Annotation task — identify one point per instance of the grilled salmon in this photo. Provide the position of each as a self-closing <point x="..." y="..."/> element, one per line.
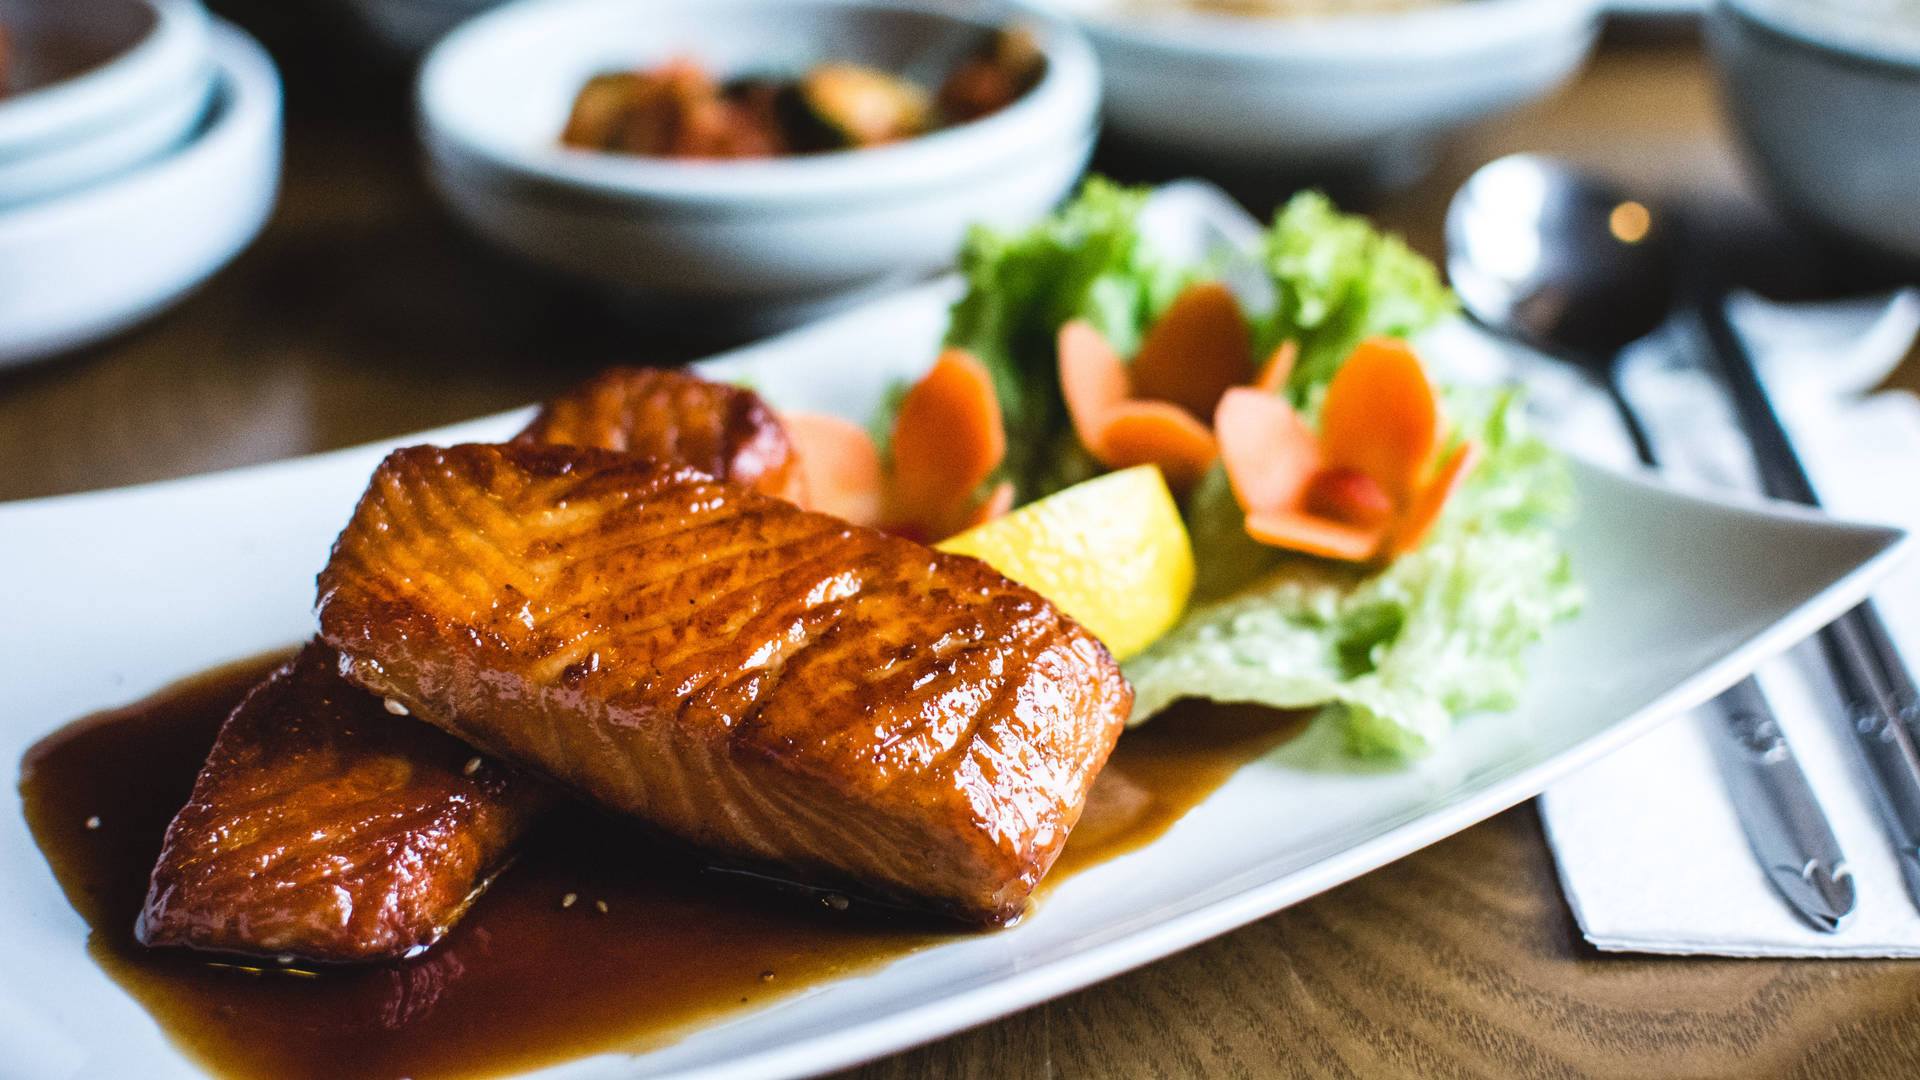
<point x="326" y="828"/>
<point x="780" y="688"/>
<point x="311" y="762"/>
<point x="724" y="431"/>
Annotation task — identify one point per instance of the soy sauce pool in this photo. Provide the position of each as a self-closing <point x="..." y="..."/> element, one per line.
<point x="647" y="950"/>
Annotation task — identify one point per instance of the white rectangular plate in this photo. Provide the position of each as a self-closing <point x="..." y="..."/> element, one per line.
<point x="110" y="596"/>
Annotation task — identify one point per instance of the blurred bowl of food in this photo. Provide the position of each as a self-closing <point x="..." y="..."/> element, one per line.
<point x="752" y="152"/>
<point x="1306" y="87"/>
<point x="1825" y="97"/>
<point x="91" y="88"/>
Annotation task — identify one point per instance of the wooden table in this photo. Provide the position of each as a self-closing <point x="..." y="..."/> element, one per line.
<point x="361" y="313"/>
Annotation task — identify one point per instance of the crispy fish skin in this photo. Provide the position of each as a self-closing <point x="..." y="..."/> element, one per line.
<point x="776" y="686"/>
<point x="326" y="828"/>
<point x="725" y="431"/>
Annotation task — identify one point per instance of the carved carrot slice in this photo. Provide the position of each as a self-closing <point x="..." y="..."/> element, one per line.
<point x="839" y="467"/>
<point x="1195" y="352"/>
<point x="1269" y="452"/>
<point x="1381" y="417"/>
<point x="1158" y="433"/>
<point x="996" y="504"/>
<point x="1418" y="519"/>
<point x="1351" y="498"/>
<point x="1279" y="367"/>
<point x="1093" y="381"/>
<point x="947" y="439"/>
<point x="1314" y="536"/>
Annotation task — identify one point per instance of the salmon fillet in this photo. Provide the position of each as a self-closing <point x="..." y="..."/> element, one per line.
<point x="418" y="842"/>
<point x="724" y="431"/>
<point x="326" y="828"/>
<point x="780" y="688"/>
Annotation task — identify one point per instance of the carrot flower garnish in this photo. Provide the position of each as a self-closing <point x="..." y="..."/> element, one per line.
<point x="1368" y="484"/>
<point x="1153" y="412"/>
<point x="948" y="438"/>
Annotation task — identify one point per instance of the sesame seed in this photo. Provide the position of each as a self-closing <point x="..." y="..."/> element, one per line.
<point x="600" y="906"/>
<point x="284" y="959"/>
<point x="766" y="976"/>
<point x="836" y="902"/>
<point x="396" y="708"/>
<point x="570" y="899"/>
<point x="472" y="766"/>
<point x="93" y="822"/>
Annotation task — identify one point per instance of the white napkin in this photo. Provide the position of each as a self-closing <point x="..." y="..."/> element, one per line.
<point x="1650" y="853"/>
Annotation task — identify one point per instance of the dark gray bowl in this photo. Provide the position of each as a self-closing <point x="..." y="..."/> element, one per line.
<point x="1828" y="110"/>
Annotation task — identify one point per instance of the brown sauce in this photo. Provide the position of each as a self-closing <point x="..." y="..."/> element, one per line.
<point x="523" y="982"/>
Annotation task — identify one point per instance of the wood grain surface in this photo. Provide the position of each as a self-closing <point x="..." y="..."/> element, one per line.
<point x="363" y="313"/>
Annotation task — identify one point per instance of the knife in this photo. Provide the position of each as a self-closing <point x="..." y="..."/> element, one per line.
<point x="1775" y="805"/>
<point x="1783" y="822"/>
<point x="1875" y="685"/>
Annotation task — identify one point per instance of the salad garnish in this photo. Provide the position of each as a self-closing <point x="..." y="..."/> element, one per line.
<point x="1364" y="540"/>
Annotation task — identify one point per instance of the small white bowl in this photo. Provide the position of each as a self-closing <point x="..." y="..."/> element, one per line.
<point x="90" y="65"/>
<point x="1329" y="93"/>
<point x="167" y="122"/>
<point x="1826" y="99"/>
<point x="495" y="94"/>
<point x="78" y="267"/>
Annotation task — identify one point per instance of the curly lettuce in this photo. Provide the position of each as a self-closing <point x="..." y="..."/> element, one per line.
<point x="1393" y="654"/>
<point x="1337" y="281"/>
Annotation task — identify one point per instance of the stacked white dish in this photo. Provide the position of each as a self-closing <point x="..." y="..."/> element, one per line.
<point x="771" y="239"/>
<point x="139" y="152"/>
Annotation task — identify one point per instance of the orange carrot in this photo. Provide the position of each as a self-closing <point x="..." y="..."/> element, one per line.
<point x="1425" y="510"/>
<point x="1381" y="417"/>
<point x="1315" y="536"/>
<point x="947" y="439"/>
<point x="839" y="466"/>
<point x="1092" y="380"/>
<point x="1269" y="452"/>
<point x="1197" y="350"/>
<point x="1157" y="433"/>
<point x="998" y="501"/>
<point x="1353" y="498"/>
<point x="1273" y="377"/>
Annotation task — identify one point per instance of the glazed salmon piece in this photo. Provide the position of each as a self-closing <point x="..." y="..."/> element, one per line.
<point x="724" y="431"/>
<point x="417" y="841"/>
<point x="326" y="828"/>
<point x="785" y="690"/>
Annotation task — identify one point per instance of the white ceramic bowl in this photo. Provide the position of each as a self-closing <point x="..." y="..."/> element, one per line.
<point x="1300" y="96"/>
<point x="78" y="267"/>
<point x="495" y="93"/>
<point x="101" y="86"/>
<point x="1829" y="111"/>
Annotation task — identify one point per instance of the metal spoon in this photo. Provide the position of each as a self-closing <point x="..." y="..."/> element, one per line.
<point x="1566" y="264"/>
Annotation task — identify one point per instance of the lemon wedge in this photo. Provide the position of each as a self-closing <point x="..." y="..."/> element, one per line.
<point x="1112" y="552"/>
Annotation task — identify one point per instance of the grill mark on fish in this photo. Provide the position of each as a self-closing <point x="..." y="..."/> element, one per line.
<point x="938" y="724"/>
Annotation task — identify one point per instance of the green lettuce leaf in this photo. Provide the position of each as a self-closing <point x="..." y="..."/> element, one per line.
<point x="1085" y="261"/>
<point x="1336" y="283"/>
<point x="1397" y="653"/>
